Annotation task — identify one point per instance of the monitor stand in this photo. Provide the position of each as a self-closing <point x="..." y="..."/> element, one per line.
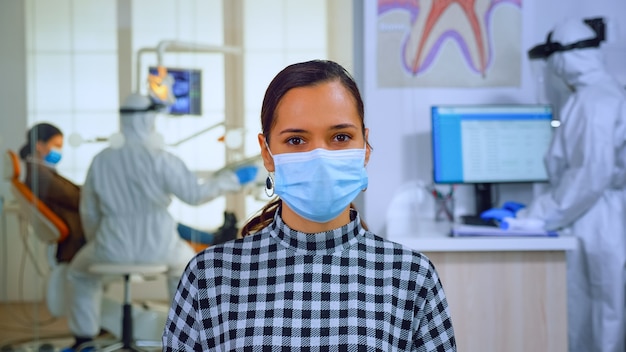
<point x="484" y="201"/>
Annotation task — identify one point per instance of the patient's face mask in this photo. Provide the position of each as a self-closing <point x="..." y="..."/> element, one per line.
<point x="53" y="157"/>
<point x="318" y="185"/>
<point x="50" y="150"/>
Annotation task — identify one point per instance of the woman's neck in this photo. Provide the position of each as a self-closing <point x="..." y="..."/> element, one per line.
<point x="298" y="223"/>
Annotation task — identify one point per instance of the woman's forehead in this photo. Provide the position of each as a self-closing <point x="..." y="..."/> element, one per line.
<point x="56" y="140"/>
<point x="321" y="106"/>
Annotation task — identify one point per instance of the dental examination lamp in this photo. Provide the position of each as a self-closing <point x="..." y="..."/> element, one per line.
<point x="176" y="46"/>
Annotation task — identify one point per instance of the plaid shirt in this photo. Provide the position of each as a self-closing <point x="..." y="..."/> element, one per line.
<point x="284" y="290"/>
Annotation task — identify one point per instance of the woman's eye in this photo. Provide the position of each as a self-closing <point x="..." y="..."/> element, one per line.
<point x="294" y="140"/>
<point x="342" y="137"/>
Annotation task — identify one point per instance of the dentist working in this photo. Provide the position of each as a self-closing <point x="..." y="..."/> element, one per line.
<point x="124" y="210"/>
<point x="586" y="164"/>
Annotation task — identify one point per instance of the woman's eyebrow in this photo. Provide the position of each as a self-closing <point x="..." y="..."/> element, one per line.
<point x="340" y="126"/>
<point x="343" y="126"/>
<point x="292" y="130"/>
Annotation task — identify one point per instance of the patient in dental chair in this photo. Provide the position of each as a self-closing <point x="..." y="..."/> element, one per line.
<point x="41" y="153"/>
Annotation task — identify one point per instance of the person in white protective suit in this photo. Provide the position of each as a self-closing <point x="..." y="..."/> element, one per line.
<point x="124" y="211"/>
<point x="586" y="164"/>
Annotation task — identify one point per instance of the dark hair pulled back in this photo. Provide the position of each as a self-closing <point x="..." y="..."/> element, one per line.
<point x="41" y="132"/>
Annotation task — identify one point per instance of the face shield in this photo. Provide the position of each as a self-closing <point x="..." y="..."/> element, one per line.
<point x="137" y="122"/>
<point x="550" y="88"/>
<point x="539" y="70"/>
<point x="137" y="103"/>
<point x="545" y="50"/>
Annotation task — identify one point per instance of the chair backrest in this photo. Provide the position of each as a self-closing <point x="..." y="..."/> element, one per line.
<point x="46" y="225"/>
<point x="197" y="247"/>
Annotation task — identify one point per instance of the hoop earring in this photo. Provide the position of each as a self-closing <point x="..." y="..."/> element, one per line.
<point x="269" y="186"/>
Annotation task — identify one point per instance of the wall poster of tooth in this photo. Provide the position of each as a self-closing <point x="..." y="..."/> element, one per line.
<point x="449" y="43"/>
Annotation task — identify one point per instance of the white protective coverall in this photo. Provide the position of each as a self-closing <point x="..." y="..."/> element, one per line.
<point x="586" y="166"/>
<point x="124" y="212"/>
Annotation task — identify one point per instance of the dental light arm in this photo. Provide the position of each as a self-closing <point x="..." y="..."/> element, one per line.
<point x="232" y="138"/>
<point x="176" y="46"/>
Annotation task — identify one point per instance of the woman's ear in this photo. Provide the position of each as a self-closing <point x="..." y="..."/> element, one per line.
<point x="368" y="149"/>
<point x="268" y="161"/>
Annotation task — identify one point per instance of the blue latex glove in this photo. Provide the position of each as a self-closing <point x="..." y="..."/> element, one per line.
<point x="496" y="214"/>
<point x="513" y="206"/>
<point x="246" y="174"/>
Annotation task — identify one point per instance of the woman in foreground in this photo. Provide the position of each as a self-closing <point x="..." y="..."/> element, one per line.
<point x="308" y="275"/>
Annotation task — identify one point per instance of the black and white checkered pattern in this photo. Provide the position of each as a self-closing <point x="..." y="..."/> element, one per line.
<point x="283" y="290"/>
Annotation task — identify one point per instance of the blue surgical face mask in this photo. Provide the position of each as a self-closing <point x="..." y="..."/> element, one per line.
<point x="53" y="157"/>
<point x="320" y="184"/>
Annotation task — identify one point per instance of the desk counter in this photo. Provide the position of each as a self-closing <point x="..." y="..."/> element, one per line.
<point x="505" y="293"/>
<point x="434" y="237"/>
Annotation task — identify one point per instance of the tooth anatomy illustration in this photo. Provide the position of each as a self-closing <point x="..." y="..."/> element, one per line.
<point x="435" y="22"/>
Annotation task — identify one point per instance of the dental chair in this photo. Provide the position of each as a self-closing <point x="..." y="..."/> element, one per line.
<point x="34" y="215"/>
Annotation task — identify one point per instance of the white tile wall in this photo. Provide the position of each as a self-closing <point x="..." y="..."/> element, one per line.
<point x="305" y="21"/>
<point x="157" y="15"/>
<point x="92" y="125"/>
<point x="208" y="21"/>
<point x="53" y="82"/>
<point x="260" y="67"/>
<point x="265" y="25"/>
<point x="51" y="23"/>
<point x="95" y="82"/>
<point x="90" y="34"/>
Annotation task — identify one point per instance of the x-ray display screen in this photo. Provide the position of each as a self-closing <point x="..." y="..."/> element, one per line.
<point x="185" y="86"/>
<point x="490" y="144"/>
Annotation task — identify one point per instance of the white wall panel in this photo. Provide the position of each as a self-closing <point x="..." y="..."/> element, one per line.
<point x="51" y="25"/>
<point x="265" y="25"/>
<point x="95" y="82"/>
<point x="53" y="83"/>
<point x="305" y="24"/>
<point x="94" y="26"/>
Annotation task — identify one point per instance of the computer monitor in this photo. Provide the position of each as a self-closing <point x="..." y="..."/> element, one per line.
<point x="186" y="89"/>
<point x="487" y="144"/>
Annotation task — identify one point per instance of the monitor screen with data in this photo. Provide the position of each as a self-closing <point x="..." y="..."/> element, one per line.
<point x="490" y="143"/>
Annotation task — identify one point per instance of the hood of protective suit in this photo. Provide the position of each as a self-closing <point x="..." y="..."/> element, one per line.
<point x="138" y="125"/>
<point x="577" y="67"/>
